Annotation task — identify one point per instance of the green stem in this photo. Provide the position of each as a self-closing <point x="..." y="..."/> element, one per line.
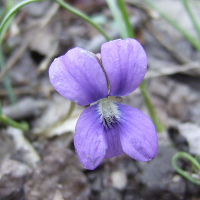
<point x="81" y="15"/>
<point x="150" y="107"/>
<point x="193" y="42"/>
<point x="129" y="28"/>
<point x="120" y="10"/>
<point x="0" y="109"/>
<point x="117" y="15"/>
<point x="9" y="122"/>
<point x="14" y="10"/>
<point x="6" y="81"/>
<point x="3" y="28"/>
<point x="193" y="166"/>
<point x="192" y="17"/>
<point x="183" y="173"/>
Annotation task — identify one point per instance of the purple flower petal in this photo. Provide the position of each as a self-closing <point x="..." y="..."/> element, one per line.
<point x="89" y="138"/>
<point x="113" y="142"/>
<point x="125" y="63"/>
<point x="137" y="133"/>
<point x="77" y="76"/>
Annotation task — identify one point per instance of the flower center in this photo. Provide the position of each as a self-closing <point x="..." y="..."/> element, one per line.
<point x="108" y="111"/>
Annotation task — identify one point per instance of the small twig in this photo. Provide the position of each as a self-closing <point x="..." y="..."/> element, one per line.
<point x="29" y="91"/>
<point x="51" y="12"/>
<point x="164" y="71"/>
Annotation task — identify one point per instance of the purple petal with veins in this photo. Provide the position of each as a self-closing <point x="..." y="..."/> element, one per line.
<point x="77" y="76"/>
<point x="125" y="63"/>
<point x="89" y="138"/>
<point x="137" y="133"/>
<point x="108" y="129"/>
<point x="113" y="142"/>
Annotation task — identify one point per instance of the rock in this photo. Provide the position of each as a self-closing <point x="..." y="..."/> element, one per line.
<point x="110" y="194"/>
<point x="133" y="195"/>
<point x="130" y="167"/>
<point x="119" y="179"/>
<point x="13" y="175"/>
<point x="179" y="102"/>
<point x="28" y="153"/>
<point x="7" y="146"/>
<point x="14" y="169"/>
<point x="95" y="179"/>
<point x="74" y="184"/>
<point x="191" y="132"/>
<point x="58" y="195"/>
<point x="24" y="108"/>
<point x="54" y="172"/>
<point x="177" y="186"/>
<point x="178" y="140"/>
<point x="157" y="175"/>
<point x="51" y="122"/>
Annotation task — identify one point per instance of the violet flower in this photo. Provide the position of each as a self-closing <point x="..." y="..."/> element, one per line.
<point x="106" y="129"/>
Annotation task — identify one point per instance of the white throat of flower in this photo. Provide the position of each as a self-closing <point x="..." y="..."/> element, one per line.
<point x="108" y="111"/>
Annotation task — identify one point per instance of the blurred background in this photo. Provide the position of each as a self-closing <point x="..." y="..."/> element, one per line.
<point x="41" y="163"/>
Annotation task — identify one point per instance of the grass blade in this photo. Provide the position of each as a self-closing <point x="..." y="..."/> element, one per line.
<point x="117" y="15"/>
<point x="125" y="16"/>
<point x="193" y="42"/>
<point x="192" y="17"/>
<point x="127" y="32"/>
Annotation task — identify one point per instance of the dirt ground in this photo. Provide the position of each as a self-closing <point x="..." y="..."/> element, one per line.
<point x="41" y="164"/>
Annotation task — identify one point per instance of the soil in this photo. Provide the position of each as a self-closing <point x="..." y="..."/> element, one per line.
<point x="41" y="163"/>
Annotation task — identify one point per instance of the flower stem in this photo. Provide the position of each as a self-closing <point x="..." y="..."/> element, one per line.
<point x="189" y="176"/>
<point x="6" y="80"/>
<point x="119" y="8"/>
<point x="192" y="17"/>
<point x="3" y="28"/>
<point x="9" y="122"/>
<point x="117" y="15"/>
<point x="150" y="107"/>
<point x="81" y="15"/>
<point x="13" y="11"/>
<point x="129" y="28"/>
